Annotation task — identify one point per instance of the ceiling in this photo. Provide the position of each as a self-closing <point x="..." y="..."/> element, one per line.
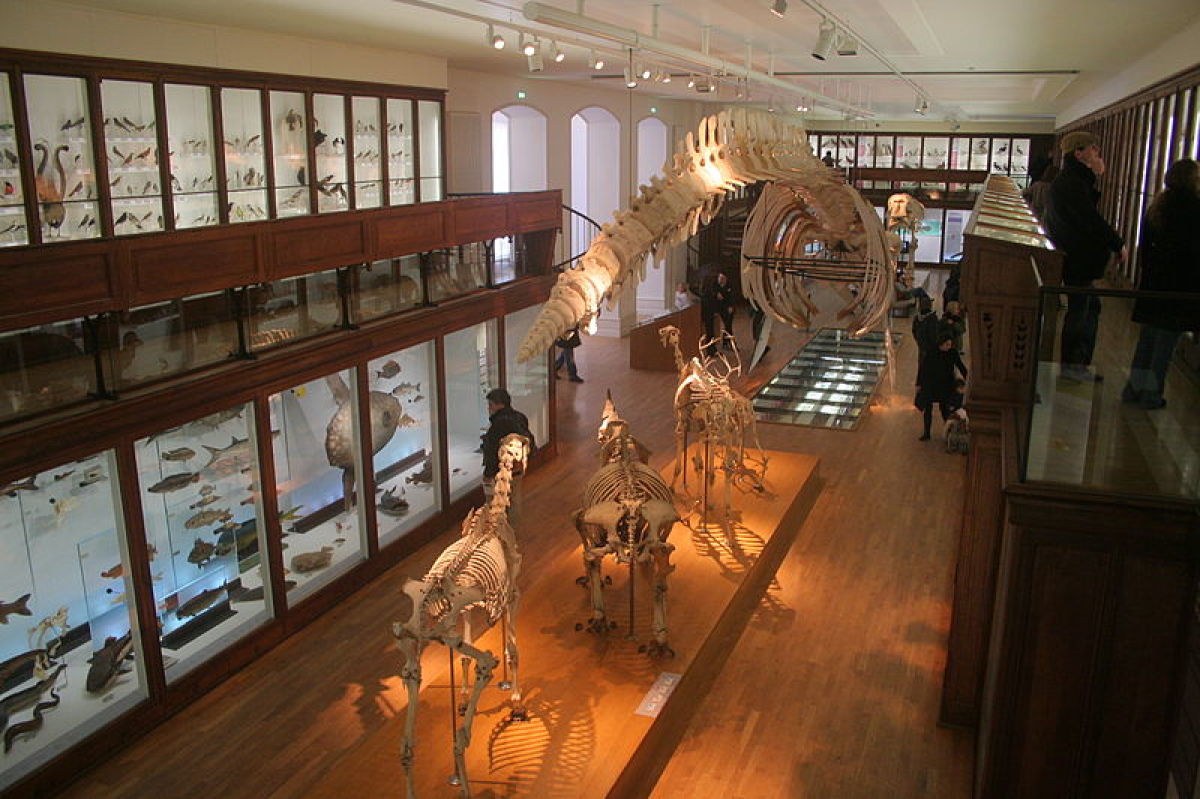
<point x="1020" y="60"/>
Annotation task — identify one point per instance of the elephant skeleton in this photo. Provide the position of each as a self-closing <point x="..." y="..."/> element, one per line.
<point x="470" y="586"/>
<point x="728" y="150"/>
<point x="628" y="512"/>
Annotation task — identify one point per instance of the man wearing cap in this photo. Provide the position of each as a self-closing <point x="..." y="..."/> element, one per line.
<point x="503" y="419"/>
<point x="1087" y="242"/>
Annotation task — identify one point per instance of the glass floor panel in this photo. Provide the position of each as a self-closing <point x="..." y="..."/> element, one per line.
<point x="827" y="384"/>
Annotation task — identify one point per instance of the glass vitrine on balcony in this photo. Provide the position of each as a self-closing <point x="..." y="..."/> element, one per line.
<point x="386" y="287"/>
<point x="292" y="308"/>
<point x="430" y="114"/>
<point x="245" y="163"/>
<point x="289" y="133"/>
<point x="44" y="367"/>
<point x="64" y="171"/>
<point x="368" y="152"/>
<point x="401" y="188"/>
<point x="131" y="151"/>
<point x="14" y="227"/>
<point x="329" y="140"/>
<point x="193" y="170"/>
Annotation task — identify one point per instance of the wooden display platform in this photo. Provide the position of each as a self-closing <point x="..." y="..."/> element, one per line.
<point x="583" y="738"/>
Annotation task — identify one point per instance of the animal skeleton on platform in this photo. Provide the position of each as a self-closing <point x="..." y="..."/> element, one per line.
<point x="471" y="586"/>
<point x="729" y="150"/>
<point x="706" y="404"/>
<point x="628" y="512"/>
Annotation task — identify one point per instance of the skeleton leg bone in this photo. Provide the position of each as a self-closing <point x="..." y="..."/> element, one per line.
<point x="485" y="664"/>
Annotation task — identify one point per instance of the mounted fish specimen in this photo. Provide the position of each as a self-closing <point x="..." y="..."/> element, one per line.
<point x="207" y="499"/>
<point x="393" y="505"/>
<point x="424" y="477"/>
<point x="18" y="607"/>
<point x="202" y="552"/>
<point x="91" y="476"/>
<point x="180" y="454"/>
<point x="200" y="602"/>
<point x="207" y="517"/>
<point x="238" y="456"/>
<point x="19" y="663"/>
<point x="385" y="416"/>
<point x="109" y="662"/>
<point x="406" y="388"/>
<point x="388" y="370"/>
<point x="22" y="700"/>
<point x="312" y="561"/>
<point x="27" y="484"/>
<point x="173" y="482"/>
<point x="256" y="594"/>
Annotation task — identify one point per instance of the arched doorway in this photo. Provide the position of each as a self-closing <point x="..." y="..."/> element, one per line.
<point x="595" y="179"/>
<point x="518" y="149"/>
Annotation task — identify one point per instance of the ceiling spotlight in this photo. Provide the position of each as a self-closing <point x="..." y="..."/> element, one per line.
<point x="630" y="80"/>
<point x="779" y="8"/>
<point x="496" y="40"/>
<point x="644" y="72"/>
<point x="691" y="81"/>
<point x="847" y="45"/>
<point x="825" y="40"/>
<point x="597" y="61"/>
<point x="803" y="106"/>
<point x="529" y="46"/>
<point x="704" y="85"/>
<point x="559" y="55"/>
<point x="922" y="106"/>
<point x="666" y="76"/>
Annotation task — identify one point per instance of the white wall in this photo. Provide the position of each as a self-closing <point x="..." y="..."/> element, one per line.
<point x="1175" y="54"/>
<point x="652" y="150"/>
<point x="56" y="27"/>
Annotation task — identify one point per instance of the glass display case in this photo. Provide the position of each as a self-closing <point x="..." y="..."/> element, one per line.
<point x="289" y="135"/>
<point x="151" y="342"/>
<point x="929" y="236"/>
<point x="430" y="114"/>
<point x="508" y="258"/>
<point x="960" y="153"/>
<point x="193" y="167"/>
<point x="64" y="171"/>
<point x="368" y="152"/>
<point x="934" y="152"/>
<point x="386" y="287"/>
<point x="866" y="151"/>
<point x="472" y="370"/>
<point x="316" y="455"/>
<point x="980" y="153"/>
<point x="401" y="175"/>
<point x="70" y="655"/>
<point x="245" y="162"/>
<point x="847" y="152"/>
<point x="457" y="270"/>
<point x="529" y="382"/>
<point x="199" y="489"/>
<point x="293" y="308"/>
<point x="131" y="152"/>
<point x="908" y="152"/>
<point x="44" y="367"/>
<point x="332" y="154"/>
<point x="404" y="417"/>
<point x="14" y="227"/>
<point x="1000" y="155"/>
<point x="1018" y="165"/>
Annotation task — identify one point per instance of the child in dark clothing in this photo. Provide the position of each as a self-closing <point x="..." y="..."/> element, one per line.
<point x="953" y="323"/>
<point x="936" y="382"/>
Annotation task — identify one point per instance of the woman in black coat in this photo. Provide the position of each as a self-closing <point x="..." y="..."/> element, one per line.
<point x="936" y="381"/>
<point x="1170" y="250"/>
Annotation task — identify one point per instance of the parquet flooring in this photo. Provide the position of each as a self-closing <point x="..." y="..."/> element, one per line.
<point x="831" y="691"/>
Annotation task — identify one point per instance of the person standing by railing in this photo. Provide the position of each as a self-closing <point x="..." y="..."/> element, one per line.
<point x="1170" y="255"/>
<point x="1087" y="241"/>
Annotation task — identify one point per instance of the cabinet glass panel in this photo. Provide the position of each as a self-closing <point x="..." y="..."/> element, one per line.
<point x="329" y="137"/>
<point x="847" y="150"/>
<point x="960" y="153"/>
<point x="386" y="287"/>
<point x="1019" y="163"/>
<point x="245" y="162"/>
<point x="289" y="143"/>
<point x="980" y="153"/>
<point x="814" y="144"/>
<point x="316" y="451"/>
<point x="529" y="382"/>
<point x="44" y="367"/>
<point x="199" y="489"/>
<point x="885" y="149"/>
<point x="156" y="341"/>
<point x="14" y="227"/>
<point x="294" y="308"/>
<point x="66" y="586"/>
<point x="456" y="270"/>
<point x="430" y="115"/>
<point x="62" y="148"/>
<point x="929" y="237"/>
<point x="131" y="148"/>
<point x="508" y="258"/>
<point x="368" y="149"/>
<point x="952" y="247"/>
<point x="401" y="190"/>
<point x="908" y="152"/>
<point x="193" y="156"/>
<point x="403" y="418"/>
<point x="866" y="151"/>
<point x="934" y="154"/>
<point x="472" y="371"/>
<point x="1000" y="154"/>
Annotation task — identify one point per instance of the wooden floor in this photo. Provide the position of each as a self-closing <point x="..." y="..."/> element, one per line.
<point x="831" y="691"/>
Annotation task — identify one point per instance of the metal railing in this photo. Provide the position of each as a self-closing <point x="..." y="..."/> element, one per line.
<point x="578" y="231"/>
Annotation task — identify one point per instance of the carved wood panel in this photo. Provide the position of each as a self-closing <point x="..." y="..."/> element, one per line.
<point x="81" y="283"/>
<point x="193" y="265"/>
<point x="320" y="246"/>
<point x="478" y="219"/>
<point x="416" y="231"/>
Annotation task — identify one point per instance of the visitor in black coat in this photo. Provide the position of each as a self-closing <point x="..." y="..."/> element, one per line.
<point x="503" y="419"/>
<point x="925" y="328"/>
<point x="936" y="381"/>
<point x="1087" y="242"/>
<point x="566" y="344"/>
<point x="1170" y="254"/>
<point x="717" y="300"/>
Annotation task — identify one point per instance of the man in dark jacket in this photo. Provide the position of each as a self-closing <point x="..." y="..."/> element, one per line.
<point x="503" y="419"/>
<point x="1087" y="242"/>
<point x="717" y="300"/>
